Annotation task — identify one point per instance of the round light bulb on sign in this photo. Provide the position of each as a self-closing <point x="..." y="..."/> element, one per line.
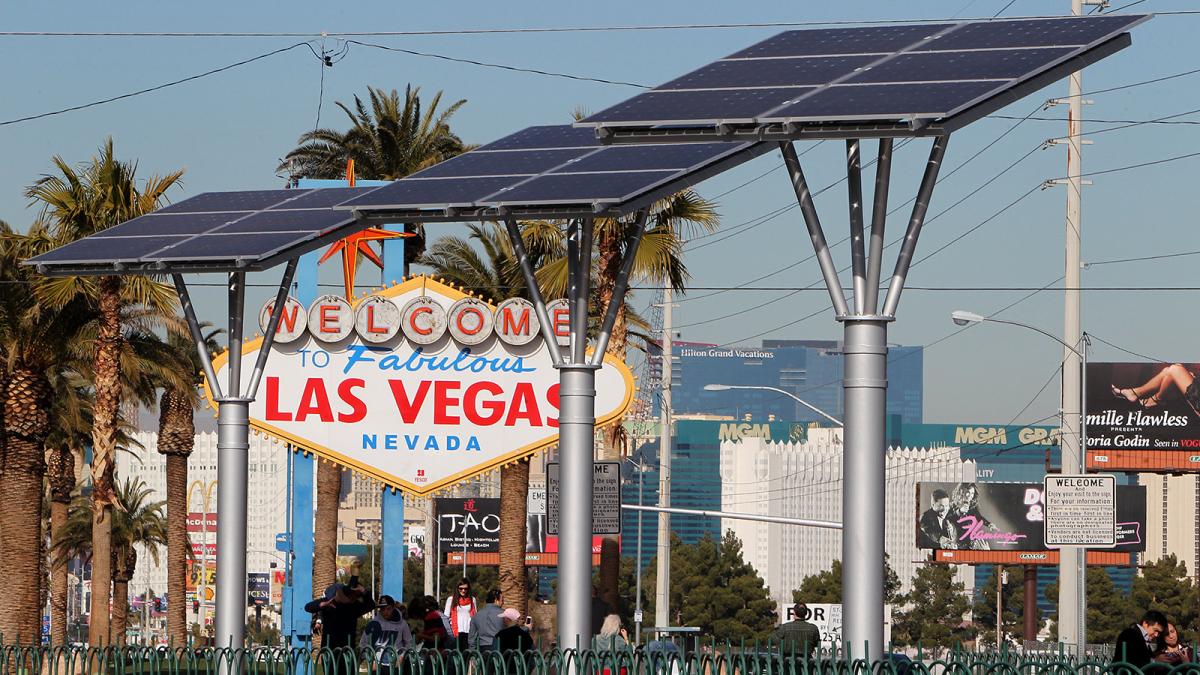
<point x="331" y="318"/>
<point x="470" y="321"/>
<point x="516" y="322"/>
<point x="292" y="321"/>
<point x="377" y="319"/>
<point x="424" y="320"/>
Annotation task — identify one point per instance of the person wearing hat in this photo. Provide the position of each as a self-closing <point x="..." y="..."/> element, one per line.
<point x="387" y="634"/>
<point x="339" y="609"/>
<point x="514" y="636"/>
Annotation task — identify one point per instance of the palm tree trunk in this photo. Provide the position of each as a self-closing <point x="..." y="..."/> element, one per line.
<point x="105" y="417"/>
<point x="177" y="549"/>
<point x="120" y="604"/>
<point x="61" y="477"/>
<point x="329" y="488"/>
<point x="176" y="438"/>
<point x="26" y="423"/>
<point x="514" y="490"/>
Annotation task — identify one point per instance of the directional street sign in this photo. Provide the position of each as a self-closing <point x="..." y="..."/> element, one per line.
<point x="1081" y="511"/>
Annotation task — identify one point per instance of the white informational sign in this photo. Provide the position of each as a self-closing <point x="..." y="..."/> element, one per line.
<point x="606" y="498"/>
<point x="535" y="500"/>
<point x="1081" y="510"/>
<point x="827" y="617"/>
<point x="447" y="395"/>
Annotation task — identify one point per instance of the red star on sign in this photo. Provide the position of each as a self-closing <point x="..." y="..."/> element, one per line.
<point x="354" y="245"/>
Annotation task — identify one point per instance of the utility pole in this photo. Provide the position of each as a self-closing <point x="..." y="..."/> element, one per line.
<point x="430" y="558"/>
<point x="662" y="590"/>
<point x="999" y="605"/>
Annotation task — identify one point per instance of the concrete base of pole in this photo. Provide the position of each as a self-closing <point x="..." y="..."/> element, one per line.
<point x="233" y="445"/>
<point x="577" y="428"/>
<point x="863" y="463"/>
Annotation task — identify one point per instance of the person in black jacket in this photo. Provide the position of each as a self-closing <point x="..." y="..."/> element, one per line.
<point x="339" y="610"/>
<point x="1137" y="644"/>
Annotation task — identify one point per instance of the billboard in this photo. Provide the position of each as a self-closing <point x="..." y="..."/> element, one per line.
<point x="278" y="581"/>
<point x="470" y="524"/>
<point x="1008" y="517"/>
<point x="419" y="386"/>
<point x="258" y="589"/>
<point x="1143" y="416"/>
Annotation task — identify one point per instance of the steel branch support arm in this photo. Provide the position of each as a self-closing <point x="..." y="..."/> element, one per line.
<point x="858" y="244"/>
<point x="535" y="292"/>
<point x="189" y="313"/>
<point x="809" y="211"/>
<point x="883" y="176"/>
<point x="268" y="342"/>
<point x="920" y="208"/>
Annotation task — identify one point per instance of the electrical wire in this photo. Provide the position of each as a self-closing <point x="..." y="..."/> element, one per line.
<point x="158" y="87"/>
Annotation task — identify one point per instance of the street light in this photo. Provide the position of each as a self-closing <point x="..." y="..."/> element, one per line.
<point x="1072" y="562"/>
<point x="637" y="612"/>
<point x="726" y="387"/>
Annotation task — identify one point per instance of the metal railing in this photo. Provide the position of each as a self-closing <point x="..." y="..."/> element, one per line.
<point x="711" y="658"/>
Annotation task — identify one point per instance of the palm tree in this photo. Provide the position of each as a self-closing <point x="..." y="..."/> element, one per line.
<point x="387" y="141"/>
<point x="34" y="347"/>
<point x="136" y="522"/>
<point x="78" y="202"/>
<point x="71" y="416"/>
<point x="494" y="276"/>
<point x="176" y="439"/>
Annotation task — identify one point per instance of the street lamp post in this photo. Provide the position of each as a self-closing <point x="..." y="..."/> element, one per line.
<point x="1072" y="562"/>
<point x="726" y="387"/>
<point x="637" y="611"/>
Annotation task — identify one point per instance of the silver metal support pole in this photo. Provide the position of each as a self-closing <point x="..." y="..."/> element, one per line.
<point x="619" y="289"/>
<point x="820" y="246"/>
<point x="189" y="312"/>
<point x="237" y="305"/>
<point x="577" y="428"/>
<point x="583" y="278"/>
<point x="999" y="605"/>
<point x="637" y="602"/>
<point x="430" y="558"/>
<point x="858" y="255"/>
<point x="233" y="445"/>
<point x="1070" y="599"/>
<point x="662" y="579"/>
<point x="865" y="391"/>
<point x="535" y="292"/>
<point x="734" y="515"/>
<point x="264" y="349"/>
<point x="915" y="221"/>
<point x="883" y="177"/>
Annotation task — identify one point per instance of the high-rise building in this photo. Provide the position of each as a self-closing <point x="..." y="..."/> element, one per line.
<point x="1173" y="519"/>
<point x="804" y="480"/>
<point x="810" y="369"/>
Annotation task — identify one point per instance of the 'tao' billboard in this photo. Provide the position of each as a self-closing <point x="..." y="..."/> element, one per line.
<point x="419" y="386"/>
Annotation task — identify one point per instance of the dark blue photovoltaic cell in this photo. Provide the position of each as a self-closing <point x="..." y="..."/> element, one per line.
<point x="316" y="221"/>
<point x="556" y="136"/>
<point x="859" y="40"/>
<point x="413" y="192"/>
<point x="648" y="157"/>
<point x="580" y="188"/>
<point x="210" y="246"/>
<point x="507" y="163"/>
<point x="323" y="197"/>
<point x="254" y="200"/>
<point x="886" y="101"/>
<point x="108" y="250"/>
<point x="785" y="72"/>
<point x="686" y="106"/>
<point x="1033" y="32"/>
<point x="942" y="66"/>
<point x="159" y="223"/>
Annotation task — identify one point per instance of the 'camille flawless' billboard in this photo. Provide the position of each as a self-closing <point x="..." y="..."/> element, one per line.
<point x="1008" y="517"/>
<point x="419" y="386"/>
<point x="1143" y="416"/>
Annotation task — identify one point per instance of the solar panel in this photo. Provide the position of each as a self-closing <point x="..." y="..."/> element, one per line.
<point x="215" y="230"/>
<point x="881" y="80"/>
<point x="549" y="171"/>
<point x="555" y="165"/>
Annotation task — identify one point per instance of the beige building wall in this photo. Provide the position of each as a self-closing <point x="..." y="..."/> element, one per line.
<point x="1173" y="519"/>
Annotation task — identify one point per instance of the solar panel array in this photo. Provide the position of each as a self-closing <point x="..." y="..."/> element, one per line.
<point x="884" y="73"/>
<point x="553" y="166"/>
<point x="239" y="230"/>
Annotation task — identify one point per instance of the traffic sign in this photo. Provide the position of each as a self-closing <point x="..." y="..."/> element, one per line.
<point x="606" y="498"/>
<point x="1080" y="511"/>
<point x="283" y="541"/>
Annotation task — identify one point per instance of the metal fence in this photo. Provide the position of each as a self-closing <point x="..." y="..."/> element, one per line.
<point x="708" y="659"/>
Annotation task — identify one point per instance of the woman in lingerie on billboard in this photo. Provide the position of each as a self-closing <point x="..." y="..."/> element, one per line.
<point x="964" y="507"/>
<point x="1152" y="393"/>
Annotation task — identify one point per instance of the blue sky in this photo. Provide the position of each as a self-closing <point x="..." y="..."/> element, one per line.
<point x="229" y="130"/>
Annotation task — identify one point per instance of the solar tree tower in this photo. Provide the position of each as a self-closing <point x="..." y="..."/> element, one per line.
<point x="851" y="84"/>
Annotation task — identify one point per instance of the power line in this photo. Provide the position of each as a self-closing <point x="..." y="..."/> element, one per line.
<point x="165" y="85"/>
